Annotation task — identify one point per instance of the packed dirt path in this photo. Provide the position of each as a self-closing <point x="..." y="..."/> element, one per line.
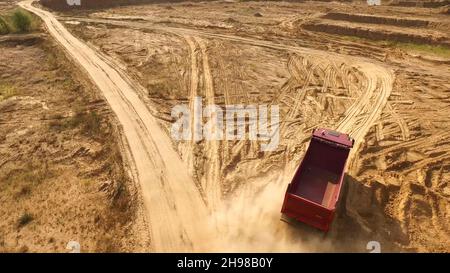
<point x="169" y="194"/>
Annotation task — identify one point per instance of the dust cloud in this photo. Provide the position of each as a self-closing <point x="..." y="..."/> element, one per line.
<point x="250" y="221"/>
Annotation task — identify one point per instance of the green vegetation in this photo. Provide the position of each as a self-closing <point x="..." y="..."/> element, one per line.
<point x="7" y="91"/>
<point x="4" y="28"/>
<point x="90" y="123"/>
<point x="21" y="21"/>
<point x="437" y="50"/>
<point x="32" y="173"/>
<point x="18" y="21"/>
<point x="20" y="181"/>
<point x="24" y="219"/>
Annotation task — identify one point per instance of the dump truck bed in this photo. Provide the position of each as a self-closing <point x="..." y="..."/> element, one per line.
<point x="317" y="185"/>
<point x="312" y="195"/>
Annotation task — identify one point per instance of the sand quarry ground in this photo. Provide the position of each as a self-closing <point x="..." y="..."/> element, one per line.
<point x="380" y="74"/>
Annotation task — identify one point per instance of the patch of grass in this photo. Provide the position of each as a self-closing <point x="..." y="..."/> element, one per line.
<point x="69" y="84"/>
<point x="4" y="27"/>
<point x="21" y="20"/>
<point x="28" y="174"/>
<point x="24" y="219"/>
<point x="7" y="91"/>
<point x="90" y="123"/>
<point x="156" y="89"/>
<point x="437" y="50"/>
<point x="52" y="62"/>
<point x="18" y="21"/>
<point x="21" y="181"/>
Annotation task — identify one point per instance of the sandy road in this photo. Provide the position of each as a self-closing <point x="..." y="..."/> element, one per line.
<point x="210" y="181"/>
<point x="169" y="193"/>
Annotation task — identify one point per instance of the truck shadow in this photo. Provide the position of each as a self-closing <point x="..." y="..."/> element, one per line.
<point x="361" y="217"/>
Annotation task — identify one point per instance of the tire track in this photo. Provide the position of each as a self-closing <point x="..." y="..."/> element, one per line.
<point x="211" y="179"/>
<point x="379" y="80"/>
<point x="169" y="195"/>
<point x="193" y="86"/>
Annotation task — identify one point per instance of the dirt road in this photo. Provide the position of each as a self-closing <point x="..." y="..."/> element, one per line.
<point x="169" y="194"/>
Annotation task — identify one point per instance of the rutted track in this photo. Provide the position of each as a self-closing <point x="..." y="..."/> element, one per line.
<point x="211" y="179"/>
<point x="359" y="117"/>
<point x="171" y="197"/>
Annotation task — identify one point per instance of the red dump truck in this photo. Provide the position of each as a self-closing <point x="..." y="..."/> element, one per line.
<point x="312" y="195"/>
